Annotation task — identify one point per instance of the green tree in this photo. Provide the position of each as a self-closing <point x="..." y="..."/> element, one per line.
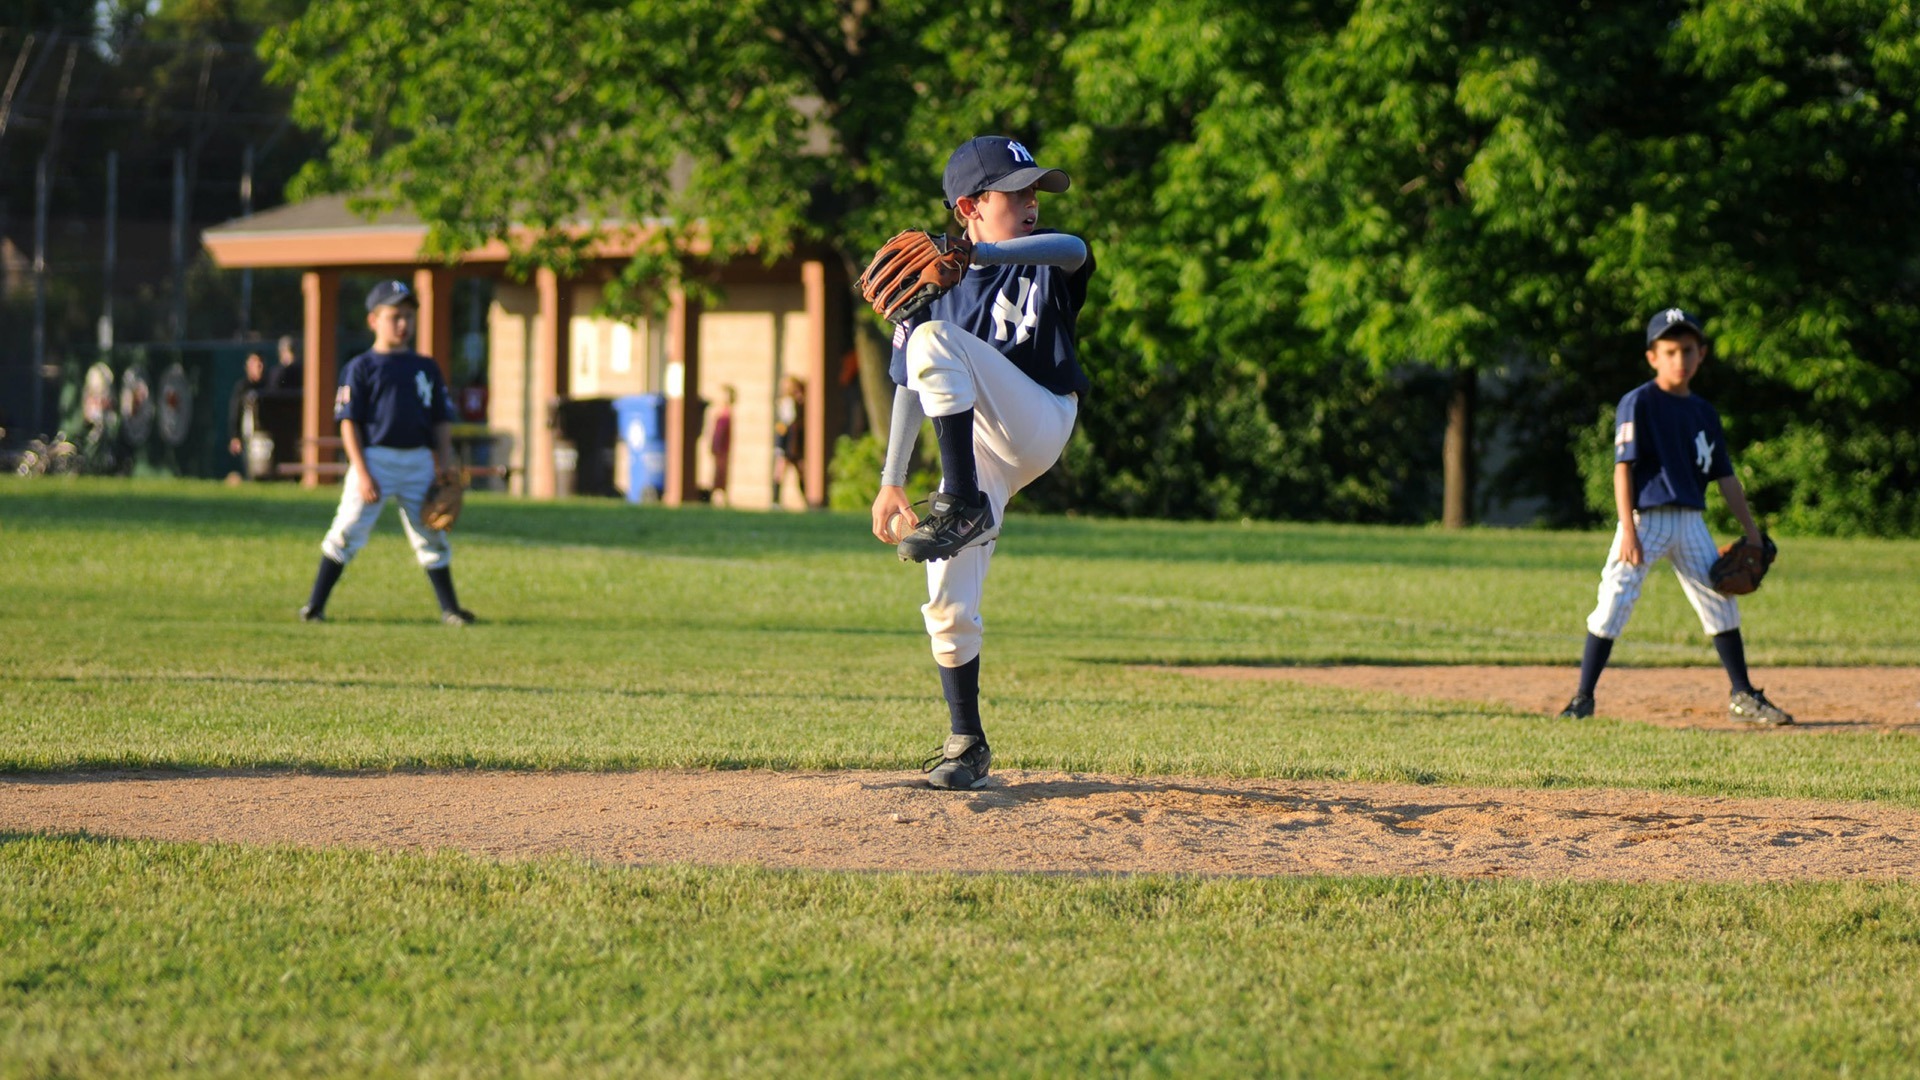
<point x="1429" y="181"/>
<point x="711" y="129"/>
<point x="1471" y="187"/>
<point x="1774" y="188"/>
<point x="1211" y="399"/>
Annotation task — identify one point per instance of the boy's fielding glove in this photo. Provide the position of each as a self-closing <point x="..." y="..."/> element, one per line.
<point x="1742" y="564"/>
<point x="441" y="508"/>
<point x="913" y="270"/>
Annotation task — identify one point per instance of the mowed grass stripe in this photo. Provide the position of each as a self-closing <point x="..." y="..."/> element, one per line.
<point x="138" y="958"/>
<point x="156" y="630"/>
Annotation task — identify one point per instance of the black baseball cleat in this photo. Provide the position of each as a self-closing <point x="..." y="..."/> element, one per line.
<point x="1579" y="708"/>
<point x="953" y="525"/>
<point x="457" y="617"/>
<point x="962" y="764"/>
<point x="308" y="613"/>
<point x="1752" y="707"/>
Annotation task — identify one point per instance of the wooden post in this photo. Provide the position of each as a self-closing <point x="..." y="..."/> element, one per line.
<point x="683" y="383"/>
<point x="433" y="336"/>
<point x="549" y="352"/>
<point x="820" y="381"/>
<point x="320" y="290"/>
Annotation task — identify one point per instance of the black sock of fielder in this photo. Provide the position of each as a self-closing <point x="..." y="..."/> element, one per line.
<point x="442" y="578"/>
<point x="955" y="435"/>
<point x="323" y="583"/>
<point x="962" y="687"/>
<point x="1733" y="657"/>
<point x="1593" y="661"/>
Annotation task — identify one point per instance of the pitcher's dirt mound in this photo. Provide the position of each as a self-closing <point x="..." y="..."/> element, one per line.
<point x="1820" y="699"/>
<point x="1025" y="821"/>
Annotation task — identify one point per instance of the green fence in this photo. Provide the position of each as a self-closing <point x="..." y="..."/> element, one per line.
<point x="153" y="410"/>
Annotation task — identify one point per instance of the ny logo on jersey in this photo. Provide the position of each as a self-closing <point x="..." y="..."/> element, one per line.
<point x="1702" y="451"/>
<point x="425" y="386"/>
<point x="1020" y="153"/>
<point x="1016" y="312"/>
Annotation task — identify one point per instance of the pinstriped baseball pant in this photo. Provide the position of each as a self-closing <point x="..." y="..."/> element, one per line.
<point x="1679" y="535"/>
<point x="403" y="476"/>
<point x="1019" y="431"/>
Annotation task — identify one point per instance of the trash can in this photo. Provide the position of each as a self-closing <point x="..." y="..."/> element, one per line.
<point x="643" y="431"/>
<point x="588" y="424"/>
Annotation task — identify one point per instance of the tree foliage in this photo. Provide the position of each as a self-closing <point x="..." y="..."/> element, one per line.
<point x="1309" y="214"/>
<point x="729" y="127"/>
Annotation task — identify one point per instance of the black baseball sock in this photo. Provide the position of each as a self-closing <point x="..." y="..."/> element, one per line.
<point x="1733" y="657"/>
<point x="1593" y="662"/>
<point x="323" y="583"/>
<point x="442" y="578"/>
<point x="962" y="687"/>
<point x="955" y="435"/>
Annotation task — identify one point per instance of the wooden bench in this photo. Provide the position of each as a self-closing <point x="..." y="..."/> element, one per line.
<point x="332" y="444"/>
<point x="339" y="468"/>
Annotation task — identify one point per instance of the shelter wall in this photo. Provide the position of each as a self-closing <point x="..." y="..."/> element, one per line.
<point x="750" y="341"/>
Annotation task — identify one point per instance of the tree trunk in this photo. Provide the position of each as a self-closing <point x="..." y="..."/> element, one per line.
<point x="876" y="387"/>
<point x="1456" y="454"/>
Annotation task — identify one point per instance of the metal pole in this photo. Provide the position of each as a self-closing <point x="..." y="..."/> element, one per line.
<point x="246" y="211"/>
<point x="113" y="249"/>
<point x="39" y="295"/>
<point x="179" y="328"/>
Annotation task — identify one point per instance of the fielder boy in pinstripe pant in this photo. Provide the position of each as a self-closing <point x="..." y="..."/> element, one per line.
<point x="1667" y="446"/>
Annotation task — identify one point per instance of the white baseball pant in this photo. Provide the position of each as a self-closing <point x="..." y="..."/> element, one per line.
<point x="1680" y="535"/>
<point x="1019" y="431"/>
<point x="403" y="475"/>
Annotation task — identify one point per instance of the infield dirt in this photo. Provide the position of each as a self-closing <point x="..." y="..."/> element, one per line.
<point x="1051" y="822"/>
<point x="1024" y="822"/>
<point x="1821" y="699"/>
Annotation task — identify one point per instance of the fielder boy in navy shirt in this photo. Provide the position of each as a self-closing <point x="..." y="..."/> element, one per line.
<point x="1667" y="446"/>
<point x="394" y="414"/>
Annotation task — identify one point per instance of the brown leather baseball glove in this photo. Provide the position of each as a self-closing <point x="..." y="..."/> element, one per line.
<point x="913" y="270"/>
<point x="1742" y="564"/>
<point x="441" y="508"/>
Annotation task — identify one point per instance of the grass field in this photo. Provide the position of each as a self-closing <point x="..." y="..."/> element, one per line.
<point x="150" y="624"/>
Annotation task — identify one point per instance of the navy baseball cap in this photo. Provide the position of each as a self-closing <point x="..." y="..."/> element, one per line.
<point x="996" y="163"/>
<point x="390" y="294"/>
<point x="1670" y="320"/>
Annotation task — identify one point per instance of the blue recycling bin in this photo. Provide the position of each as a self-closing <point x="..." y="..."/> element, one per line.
<point x="643" y="432"/>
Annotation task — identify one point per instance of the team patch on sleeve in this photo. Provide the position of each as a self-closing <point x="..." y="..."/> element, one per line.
<point x="344" y="397"/>
<point x="900" y="336"/>
<point x="1624" y="435"/>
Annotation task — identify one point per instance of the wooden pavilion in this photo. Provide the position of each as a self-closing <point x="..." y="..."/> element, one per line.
<point x="546" y="343"/>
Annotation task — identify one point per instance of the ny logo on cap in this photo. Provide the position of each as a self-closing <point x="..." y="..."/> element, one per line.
<point x="1020" y="153"/>
<point x="1673" y="315"/>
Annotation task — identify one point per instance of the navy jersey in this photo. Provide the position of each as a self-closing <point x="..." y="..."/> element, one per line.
<point x="1030" y="314"/>
<point x="1675" y="444"/>
<point x="394" y="398"/>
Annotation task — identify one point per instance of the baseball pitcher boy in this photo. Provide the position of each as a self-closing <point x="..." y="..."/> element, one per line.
<point x="394" y="411"/>
<point x="993" y="362"/>
<point x="1667" y="445"/>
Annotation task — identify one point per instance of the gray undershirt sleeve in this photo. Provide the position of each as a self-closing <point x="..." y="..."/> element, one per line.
<point x="1047" y="249"/>
<point x="901" y="435"/>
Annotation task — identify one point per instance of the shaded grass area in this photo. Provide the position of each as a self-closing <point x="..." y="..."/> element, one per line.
<point x="139" y="958"/>
<point x="154" y="629"/>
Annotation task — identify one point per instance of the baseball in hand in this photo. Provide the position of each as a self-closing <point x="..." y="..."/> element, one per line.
<point x="899" y="524"/>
